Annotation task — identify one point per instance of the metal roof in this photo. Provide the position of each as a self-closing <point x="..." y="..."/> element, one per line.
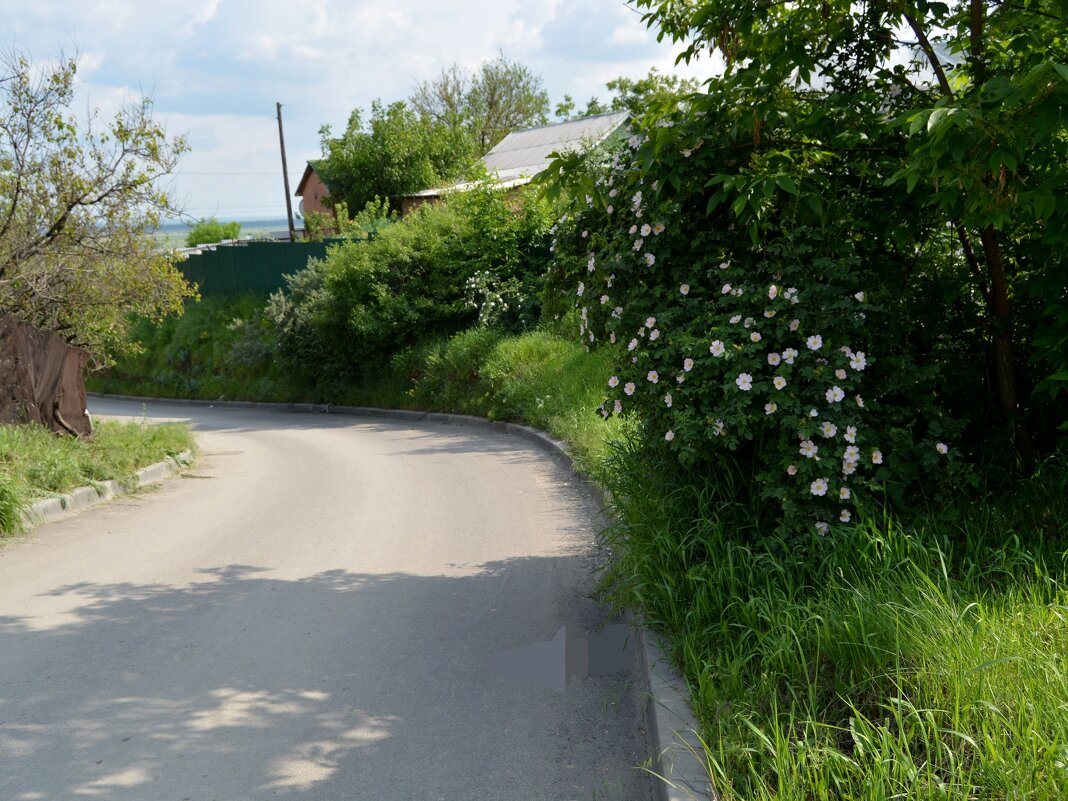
<point x="526" y="153"/>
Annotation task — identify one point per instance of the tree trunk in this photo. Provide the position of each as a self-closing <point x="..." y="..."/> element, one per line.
<point x="1004" y="369"/>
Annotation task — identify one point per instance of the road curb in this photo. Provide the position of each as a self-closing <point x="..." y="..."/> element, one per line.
<point x="56" y="508"/>
<point x="675" y="748"/>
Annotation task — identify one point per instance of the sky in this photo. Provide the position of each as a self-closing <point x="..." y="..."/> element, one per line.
<point x="216" y="68"/>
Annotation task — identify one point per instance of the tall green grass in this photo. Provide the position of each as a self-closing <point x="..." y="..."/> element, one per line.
<point x="35" y="463"/>
<point x="538" y="378"/>
<point x="221" y="348"/>
<point x="917" y="661"/>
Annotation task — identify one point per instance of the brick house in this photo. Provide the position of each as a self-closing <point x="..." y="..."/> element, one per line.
<point x="312" y="191"/>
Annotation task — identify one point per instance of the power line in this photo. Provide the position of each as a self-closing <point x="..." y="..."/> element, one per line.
<point x="218" y="172"/>
<point x="320" y="108"/>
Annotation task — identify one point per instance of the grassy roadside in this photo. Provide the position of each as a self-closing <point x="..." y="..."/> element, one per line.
<point x="920" y="660"/>
<point x="34" y="463"/>
<point x="537" y="378"/>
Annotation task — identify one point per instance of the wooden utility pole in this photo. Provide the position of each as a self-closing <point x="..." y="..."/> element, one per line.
<point x="285" y="176"/>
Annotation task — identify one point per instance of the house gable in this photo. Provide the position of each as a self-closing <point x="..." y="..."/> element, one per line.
<point x="313" y="192"/>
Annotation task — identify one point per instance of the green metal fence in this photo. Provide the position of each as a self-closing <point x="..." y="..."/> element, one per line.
<point x="248" y="266"/>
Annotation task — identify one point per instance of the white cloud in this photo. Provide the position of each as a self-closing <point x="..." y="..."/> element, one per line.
<point x="88" y="63"/>
<point x="217" y="68"/>
<point x="201" y="15"/>
<point x="629" y="33"/>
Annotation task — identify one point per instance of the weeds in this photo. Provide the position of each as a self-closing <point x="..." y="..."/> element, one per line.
<point x="894" y="661"/>
<point x="11" y="504"/>
<point x="35" y="463"/>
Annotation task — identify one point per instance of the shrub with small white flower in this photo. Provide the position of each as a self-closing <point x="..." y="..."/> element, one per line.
<point x="768" y="341"/>
<point x="496" y="299"/>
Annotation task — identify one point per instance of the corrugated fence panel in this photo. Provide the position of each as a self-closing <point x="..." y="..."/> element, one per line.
<point x="249" y="266"/>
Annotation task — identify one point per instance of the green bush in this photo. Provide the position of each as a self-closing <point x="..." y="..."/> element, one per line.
<point x="221" y="348"/>
<point x="210" y="231"/>
<point x="793" y="348"/>
<point x="478" y="256"/>
<point x="537" y="378"/>
<point x="450" y="376"/>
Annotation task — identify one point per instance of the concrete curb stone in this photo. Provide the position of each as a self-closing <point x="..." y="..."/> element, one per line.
<point x="675" y="748"/>
<point x="60" y="506"/>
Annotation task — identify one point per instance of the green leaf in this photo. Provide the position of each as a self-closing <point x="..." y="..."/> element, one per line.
<point x="936" y="117"/>
<point x="1002" y="158"/>
<point x="1062" y="70"/>
<point x="917" y="122"/>
<point x="956" y="149"/>
<point x="786" y="183"/>
<point x="714" y="202"/>
<point x="1044" y="205"/>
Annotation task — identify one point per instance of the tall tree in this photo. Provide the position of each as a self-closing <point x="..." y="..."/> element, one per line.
<point x="76" y="198"/>
<point x="500" y="97"/>
<point x="974" y="95"/>
<point x="656" y="91"/>
<point x="567" y="109"/>
<point x="444" y="99"/>
<point x="399" y="151"/>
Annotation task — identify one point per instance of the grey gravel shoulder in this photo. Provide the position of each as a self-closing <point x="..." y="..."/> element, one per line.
<point x="676" y="756"/>
<point x="60" y="506"/>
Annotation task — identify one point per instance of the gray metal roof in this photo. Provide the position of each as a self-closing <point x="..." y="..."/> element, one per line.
<point x="526" y="153"/>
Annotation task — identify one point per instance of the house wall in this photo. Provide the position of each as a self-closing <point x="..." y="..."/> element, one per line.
<point x="314" y="192"/>
<point x="406" y="204"/>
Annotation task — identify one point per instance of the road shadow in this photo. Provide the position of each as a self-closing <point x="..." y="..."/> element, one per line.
<point x="340" y="685"/>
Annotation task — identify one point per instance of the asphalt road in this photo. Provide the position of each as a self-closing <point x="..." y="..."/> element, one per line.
<point x="323" y="608"/>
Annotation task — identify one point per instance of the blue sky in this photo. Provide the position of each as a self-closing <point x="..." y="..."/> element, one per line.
<point x="215" y="68"/>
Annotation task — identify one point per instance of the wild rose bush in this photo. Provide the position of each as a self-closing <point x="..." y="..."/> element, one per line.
<point x="725" y="342"/>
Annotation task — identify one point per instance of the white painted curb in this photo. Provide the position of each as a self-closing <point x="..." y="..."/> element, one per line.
<point x="676" y="755"/>
<point x="52" y="509"/>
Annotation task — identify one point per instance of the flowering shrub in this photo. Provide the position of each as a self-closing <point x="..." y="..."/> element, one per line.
<point x="497" y="301"/>
<point x="729" y="341"/>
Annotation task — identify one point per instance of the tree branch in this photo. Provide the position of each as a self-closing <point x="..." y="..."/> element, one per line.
<point x="973" y="260"/>
<point x="932" y="57"/>
<point x="975" y="30"/>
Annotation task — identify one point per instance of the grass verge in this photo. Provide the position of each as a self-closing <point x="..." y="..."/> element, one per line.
<point x="219" y="349"/>
<point x="923" y="662"/>
<point x="538" y="378"/>
<point x="34" y="463"/>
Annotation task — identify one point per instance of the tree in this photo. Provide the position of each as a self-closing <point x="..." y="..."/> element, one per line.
<point x="501" y="97"/>
<point x="961" y="107"/>
<point x="210" y="231"/>
<point x="653" y="92"/>
<point x="76" y="198"/>
<point x="401" y="152"/>
<point x="566" y="109"/>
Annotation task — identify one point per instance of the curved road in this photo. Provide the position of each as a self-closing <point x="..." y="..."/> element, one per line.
<point x="323" y="608"/>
